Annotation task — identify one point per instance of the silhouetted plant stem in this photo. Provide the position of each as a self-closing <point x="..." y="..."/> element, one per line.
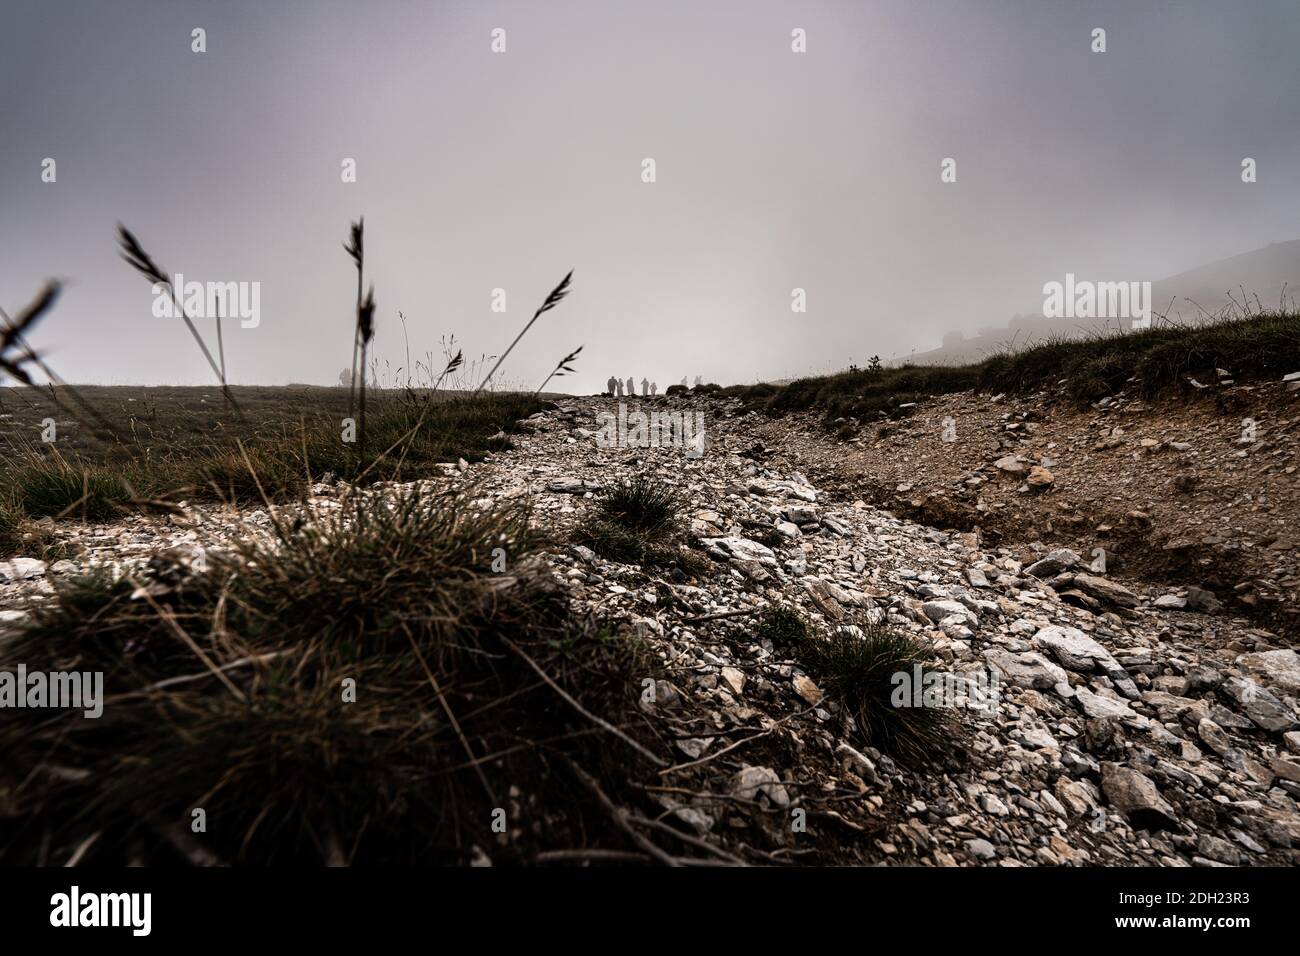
<point x="552" y="300"/>
<point x="562" y="369"/>
<point x="140" y="260"/>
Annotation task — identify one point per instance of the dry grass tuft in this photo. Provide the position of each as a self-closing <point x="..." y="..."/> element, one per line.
<point x="229" y="690"/>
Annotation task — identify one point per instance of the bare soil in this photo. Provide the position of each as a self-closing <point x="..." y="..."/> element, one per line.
<point x="1221" y="513"/>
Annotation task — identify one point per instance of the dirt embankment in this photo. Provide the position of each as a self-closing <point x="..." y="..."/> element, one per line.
<point x="1200" y="492"/>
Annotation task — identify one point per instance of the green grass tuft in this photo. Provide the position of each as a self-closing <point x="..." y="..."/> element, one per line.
<point x="632" y="523"/>
<point x="612" y="541"/>
<point x="50" y="484"/>
<point x="783" y="626"/>
<point x="857" y="671"/>
<point x="642" y="504"/>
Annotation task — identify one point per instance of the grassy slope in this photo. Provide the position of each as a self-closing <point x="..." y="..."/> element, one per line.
<point x="1265" y="345"/>
<point x="186" y="443"/>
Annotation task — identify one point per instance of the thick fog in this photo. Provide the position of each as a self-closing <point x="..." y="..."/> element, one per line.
<point x="774" y="170"/>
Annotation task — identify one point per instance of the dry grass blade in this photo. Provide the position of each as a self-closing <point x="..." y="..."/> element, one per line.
<point x="365" y="333"/>
<point x="355" y="248"/>
<point x="83" y="848"/>
<point x="563" y="368"/>
<point x="142" y="262"/>
<point x="569" y="699"/>
<point x="557" y="295"/>
<point x="620" y="816"/>
<point x="138" y="259"/>
<point x="11" y="340"/>
<point x="456" y="362"/>
<point x="366" y="318"/>
<point x="14" y="328"/>
<point x="15" y="353"/>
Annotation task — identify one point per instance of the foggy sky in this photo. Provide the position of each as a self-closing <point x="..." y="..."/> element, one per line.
<point x="478" y="170"/>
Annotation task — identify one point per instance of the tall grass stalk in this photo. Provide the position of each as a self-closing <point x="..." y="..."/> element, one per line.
<point x="355" y="248"/>
<point x="564" y="368"/>
<point x="365" y="333"/>
<point x="138" y="259"/>
<point x="557" y="295"/>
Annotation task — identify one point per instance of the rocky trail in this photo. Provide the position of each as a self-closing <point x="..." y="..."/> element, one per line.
<point x="1134" y="724"/>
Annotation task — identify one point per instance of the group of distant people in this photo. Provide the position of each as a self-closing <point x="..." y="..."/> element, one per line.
<point x="616" y="387"/>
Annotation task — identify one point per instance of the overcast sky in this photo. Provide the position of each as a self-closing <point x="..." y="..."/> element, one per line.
<point x="775" y="170"/>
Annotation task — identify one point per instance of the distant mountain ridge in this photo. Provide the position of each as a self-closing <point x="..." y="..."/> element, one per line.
<point x="1189" y="296"/>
